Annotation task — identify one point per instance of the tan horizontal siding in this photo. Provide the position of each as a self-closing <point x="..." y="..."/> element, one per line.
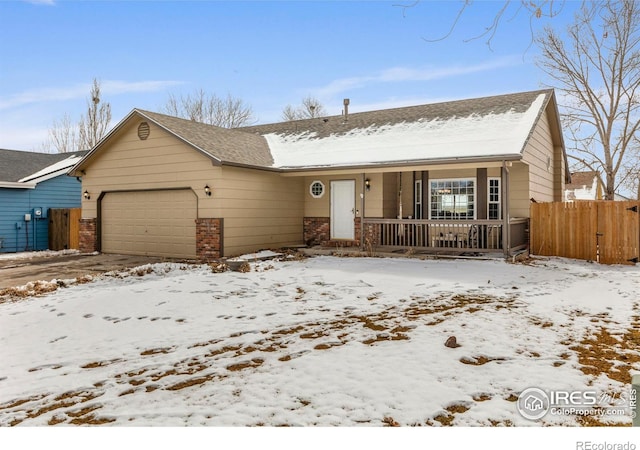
<point x="260" y="209"/>
<point x="448" y="174"/>
<point x="390" y="196"/>
<point x="519" y="194"/>
<point x="374" y="197"/>
<point x="538" y="152"/>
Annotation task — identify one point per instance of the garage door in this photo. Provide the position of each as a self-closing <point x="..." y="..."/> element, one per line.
<point x="154" y="223"/>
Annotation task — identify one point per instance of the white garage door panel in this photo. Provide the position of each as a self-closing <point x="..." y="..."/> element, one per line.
<point x="155" y="223"/>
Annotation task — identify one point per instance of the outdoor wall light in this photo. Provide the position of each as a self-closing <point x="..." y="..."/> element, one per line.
<point x="367" y="184"/>
<point x="207" y="190"/>
<point x="86" y="195"/>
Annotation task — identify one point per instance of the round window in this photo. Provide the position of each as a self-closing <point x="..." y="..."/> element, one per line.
<point x="316" y="189"/>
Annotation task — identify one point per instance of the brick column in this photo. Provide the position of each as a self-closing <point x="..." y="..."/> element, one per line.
<point x="88" y="235"/>
<point x="356" y="224"/>
<point x="209" y="239"/>
<point x="317" y="230"/>
<point x="371" y="234"/>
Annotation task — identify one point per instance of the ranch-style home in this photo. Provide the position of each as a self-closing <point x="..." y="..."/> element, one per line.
<point x="456" y="176"/>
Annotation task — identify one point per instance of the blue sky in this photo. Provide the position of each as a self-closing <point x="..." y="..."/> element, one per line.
<point x="268" y="53"/>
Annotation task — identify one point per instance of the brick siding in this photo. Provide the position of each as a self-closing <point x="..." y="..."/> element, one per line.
<point x="317" y="231"/>
<point x="88" y="235"/>
<point x="209" y="239"/>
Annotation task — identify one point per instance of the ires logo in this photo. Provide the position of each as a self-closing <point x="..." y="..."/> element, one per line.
<point x="535" y="403"/>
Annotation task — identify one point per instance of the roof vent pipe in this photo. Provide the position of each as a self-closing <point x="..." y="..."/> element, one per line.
<point x="346" y="109"/>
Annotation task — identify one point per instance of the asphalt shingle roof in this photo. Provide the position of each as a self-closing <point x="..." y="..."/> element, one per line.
<point x="326" y="126"/>
<point x="17" y="164"/>
<point x="581" y="179"/>
<point x="226" y="145"/>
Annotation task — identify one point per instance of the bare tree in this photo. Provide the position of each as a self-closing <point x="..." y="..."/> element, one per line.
<point x="310" y="108"/>
<point x="504" y="10"/>
<point x="95" y="124"/>
<point x="228" y="112"/>
<point x="65" y="136"/>
<point x="631" y="169"/>
<point x="596" y="68"/>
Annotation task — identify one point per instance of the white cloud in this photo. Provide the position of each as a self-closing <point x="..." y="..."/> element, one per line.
<point x="109" y="87"/>
<point x="401" y="74"/>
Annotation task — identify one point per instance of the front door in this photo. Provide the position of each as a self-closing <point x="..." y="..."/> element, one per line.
<point x="343" y="209"/>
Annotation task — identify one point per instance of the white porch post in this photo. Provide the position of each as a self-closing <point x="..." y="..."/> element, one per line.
<point x="362" y="198"/>
<point x="506" y="232"/>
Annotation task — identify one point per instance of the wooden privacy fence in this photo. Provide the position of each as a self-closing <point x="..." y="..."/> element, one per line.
<point x="604" y="231"/>
<point x="64" y="228"/>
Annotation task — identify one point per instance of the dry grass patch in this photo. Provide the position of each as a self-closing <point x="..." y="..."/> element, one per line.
<point x="612" y="355"/>
<point x="327" y="345"/>
<point x="390" y="422"/>
<point x="596" y="421"/>
<point x="189" y="383"/>
<point x="155" y="351"/>
<point x="255" y="362"/>
<point x="92" y="420"/>
<point x="96" y="364"/>
<point x="501" y="423"/>
<point x="31" y="289"/>
<point x="479" y="360"/>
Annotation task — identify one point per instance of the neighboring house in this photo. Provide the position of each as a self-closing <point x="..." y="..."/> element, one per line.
<point x="30" y="184"/>
<point x="584" y="186"/>
<point x="457" y="175"/>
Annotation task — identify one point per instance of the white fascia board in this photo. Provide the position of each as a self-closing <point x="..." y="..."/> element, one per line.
<point x="17" y="185"/>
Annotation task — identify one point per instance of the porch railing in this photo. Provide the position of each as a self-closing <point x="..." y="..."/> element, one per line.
<point x="469" y="235"/>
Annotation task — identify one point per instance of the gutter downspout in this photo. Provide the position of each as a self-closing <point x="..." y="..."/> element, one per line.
<point x="506" y="234"/>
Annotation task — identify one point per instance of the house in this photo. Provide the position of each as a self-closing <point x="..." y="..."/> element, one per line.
<point x="584" y="186"/>
<point x="30" y="184"/>
<point x="449" y="176"/>
<point x="587" y="186"/>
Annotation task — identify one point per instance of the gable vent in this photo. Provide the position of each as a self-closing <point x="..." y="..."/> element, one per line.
<point x="143" y="130"/>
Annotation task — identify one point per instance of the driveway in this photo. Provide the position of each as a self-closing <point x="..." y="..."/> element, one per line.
<point x="17" y="272"/>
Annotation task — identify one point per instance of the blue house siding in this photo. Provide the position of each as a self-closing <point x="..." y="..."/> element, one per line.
<point x="17" y="234"/>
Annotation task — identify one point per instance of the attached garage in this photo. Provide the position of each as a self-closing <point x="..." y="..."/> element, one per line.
<point x="154" y="223"/>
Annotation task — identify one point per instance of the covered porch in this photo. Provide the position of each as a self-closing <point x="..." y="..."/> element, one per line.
<point x="467" y="238"/>
<point x="456" y="209"/>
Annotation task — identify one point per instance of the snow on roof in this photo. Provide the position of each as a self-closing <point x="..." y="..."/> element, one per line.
<point x="53" y="170"/>
<point x="473" y="136"/>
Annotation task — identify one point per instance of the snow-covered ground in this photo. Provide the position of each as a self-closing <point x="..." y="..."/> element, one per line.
<point x="324" y="341"/>
<point x="37" y="254"/>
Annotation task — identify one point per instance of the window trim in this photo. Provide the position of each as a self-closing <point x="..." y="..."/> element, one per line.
<point x="418" y="199"/>
<point x="321" y="194"/>
<point x="475" y="195"/>
<point x="499" y="202"/>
